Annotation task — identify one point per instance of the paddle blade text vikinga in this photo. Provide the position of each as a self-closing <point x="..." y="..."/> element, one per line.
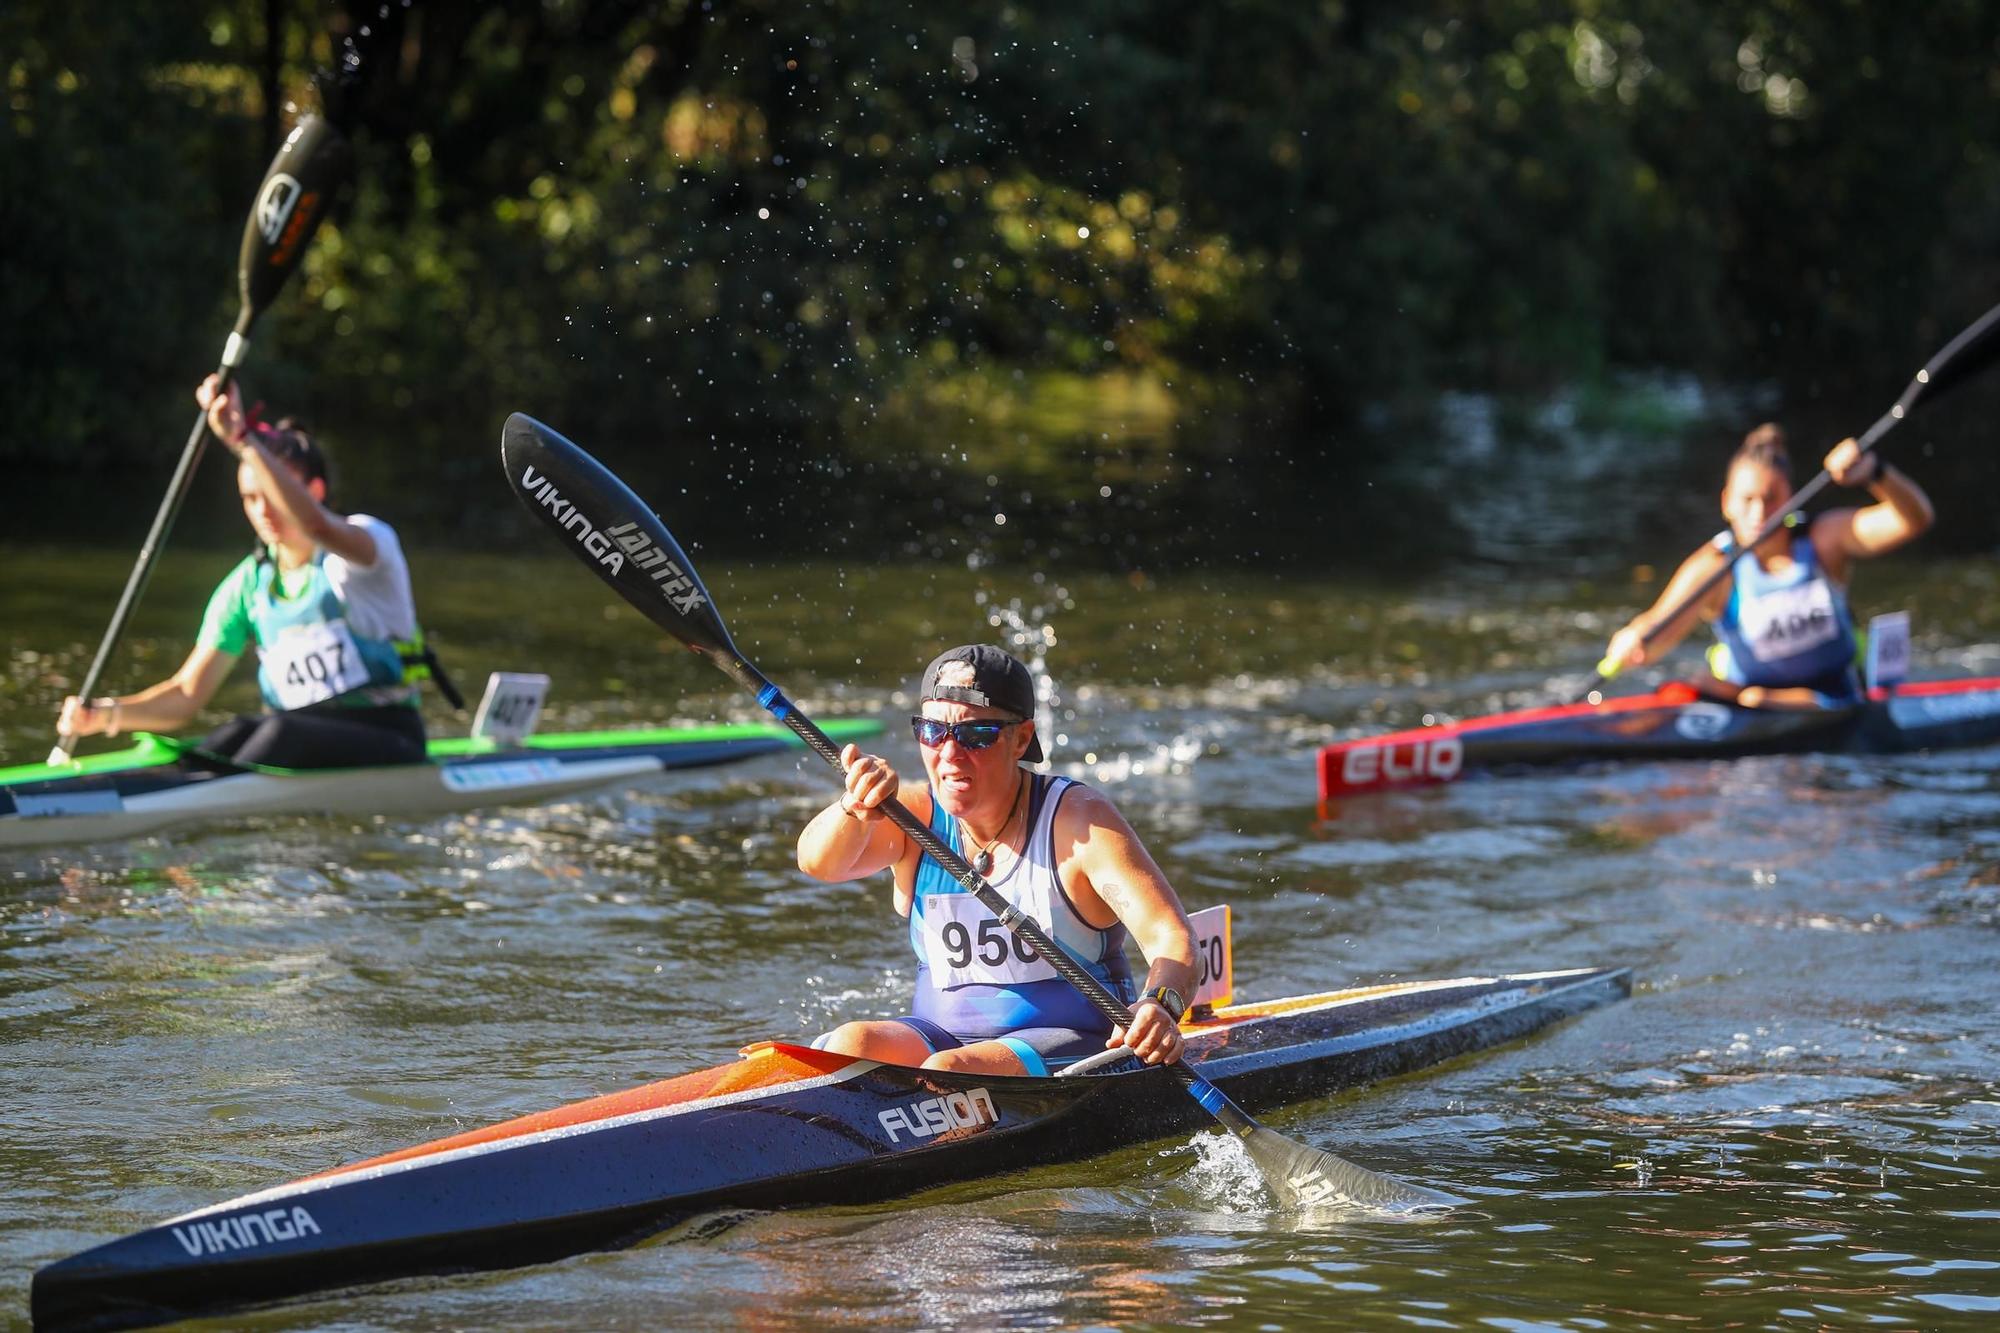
<point x="613" y="532"/>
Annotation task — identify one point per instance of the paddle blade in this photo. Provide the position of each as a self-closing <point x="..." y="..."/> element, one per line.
<point x="298" y="191"/>
<point x="614" y="532"/>
<point x="1303" y="1177"/>
<point x="1966" y="355"/>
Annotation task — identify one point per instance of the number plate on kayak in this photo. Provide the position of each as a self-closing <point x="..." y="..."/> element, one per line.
<point x="511" y="707"/>
<point x="1213" y="955"/>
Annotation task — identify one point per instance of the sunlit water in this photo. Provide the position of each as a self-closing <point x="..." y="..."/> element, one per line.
<point x="1793" y="1123"/>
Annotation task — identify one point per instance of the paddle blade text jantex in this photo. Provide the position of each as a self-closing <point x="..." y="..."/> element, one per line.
<point x="613" y="531"/>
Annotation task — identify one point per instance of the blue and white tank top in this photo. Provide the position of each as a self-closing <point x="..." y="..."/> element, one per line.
<point x="975" y="978"/>
<point x="1792" y="628"/>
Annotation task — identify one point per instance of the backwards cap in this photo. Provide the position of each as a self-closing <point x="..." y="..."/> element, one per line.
<point x="986" y="677"/>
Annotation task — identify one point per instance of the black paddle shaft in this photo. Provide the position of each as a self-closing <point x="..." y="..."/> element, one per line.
<point x="1956" y="362"/>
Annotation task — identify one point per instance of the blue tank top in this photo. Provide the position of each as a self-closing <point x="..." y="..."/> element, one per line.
<point x="1792" y="628"/>
<point x="975" y="979"/>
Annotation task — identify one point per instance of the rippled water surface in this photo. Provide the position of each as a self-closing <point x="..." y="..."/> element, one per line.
<point x="1793" y="1123"/>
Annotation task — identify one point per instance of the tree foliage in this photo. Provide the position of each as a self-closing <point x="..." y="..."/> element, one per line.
<point x="775" y="250"/>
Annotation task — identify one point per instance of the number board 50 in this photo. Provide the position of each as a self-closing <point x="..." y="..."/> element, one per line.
<point x="1213" y="956"/>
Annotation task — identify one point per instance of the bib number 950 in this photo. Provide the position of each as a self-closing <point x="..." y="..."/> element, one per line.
<point x="992" y="943"/>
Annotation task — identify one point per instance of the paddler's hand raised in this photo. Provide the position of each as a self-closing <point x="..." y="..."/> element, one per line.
<point x="1155" y="1037"/>
<point x="870" y="782"/>
<point x="1848" y="466"/>
<point x="225" y="418"/>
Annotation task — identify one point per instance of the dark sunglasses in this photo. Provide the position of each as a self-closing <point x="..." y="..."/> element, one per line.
<point x="970" y="735"/>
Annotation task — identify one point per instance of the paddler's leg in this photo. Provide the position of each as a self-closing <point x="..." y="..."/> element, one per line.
<point x="980" y="1057"/>
<point x="892" y="1042"/>
<point x="334" y="738"/>
<point x="1036" y="1052"/>
<point x="1792" y="698"/>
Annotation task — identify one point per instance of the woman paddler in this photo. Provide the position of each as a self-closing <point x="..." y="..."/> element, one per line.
<point x="326" y="601"/>
<point x="1784" y="634"/>
<point x="1056" y="849"/>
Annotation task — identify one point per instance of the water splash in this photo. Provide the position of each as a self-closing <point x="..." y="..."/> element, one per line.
<point x="1224" y="1177"/>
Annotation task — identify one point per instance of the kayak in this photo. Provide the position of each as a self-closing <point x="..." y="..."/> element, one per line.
<point x="1670" y="723"/>
<point x="782" y="1126"/>
<point x="127" y="792"/>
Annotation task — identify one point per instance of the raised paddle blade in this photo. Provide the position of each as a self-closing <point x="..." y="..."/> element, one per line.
<point x="1966" y="355"/>
<point x="298" y="191"/>
<point x="613" y="532"/>
<point x="1303" y="1177"/>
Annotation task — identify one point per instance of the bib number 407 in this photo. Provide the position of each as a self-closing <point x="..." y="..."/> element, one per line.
<point x="318" y="670"/>
<point x="313" y="663"/>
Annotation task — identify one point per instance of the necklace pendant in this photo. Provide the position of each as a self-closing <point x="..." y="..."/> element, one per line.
<point x="983" y="863"/>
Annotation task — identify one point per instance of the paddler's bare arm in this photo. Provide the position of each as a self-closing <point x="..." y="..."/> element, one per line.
<point x="852" y="838"/>
<point x="1109" y="874"/>
<point x="1900" y="514"/>
<point x="281" y="486"/>
<point x="1629" y="647"/>
<point x="167" y="706"/>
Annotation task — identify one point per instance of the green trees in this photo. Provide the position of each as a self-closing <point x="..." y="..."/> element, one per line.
<point x="899" y="248"/>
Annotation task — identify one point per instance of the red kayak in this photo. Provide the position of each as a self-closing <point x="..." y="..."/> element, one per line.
<point x="1673" y="722"/>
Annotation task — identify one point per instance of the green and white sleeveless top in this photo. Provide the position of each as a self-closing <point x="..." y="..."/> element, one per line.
<point x="328" y="632"/>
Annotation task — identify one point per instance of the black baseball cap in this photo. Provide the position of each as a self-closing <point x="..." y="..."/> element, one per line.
<point x="986" y="677"/>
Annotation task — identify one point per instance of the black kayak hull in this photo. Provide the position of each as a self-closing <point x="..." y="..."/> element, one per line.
<point x="1669" y="724"/>
<point x="811" y="1129"/>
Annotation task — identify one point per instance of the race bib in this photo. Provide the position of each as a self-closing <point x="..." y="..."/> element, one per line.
<point x="1790" y="621"/>
<point x="313" y="663"/>
<point x="965" y="943"/>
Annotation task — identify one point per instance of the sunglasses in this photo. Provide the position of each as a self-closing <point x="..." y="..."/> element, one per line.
<point x="975" y="735"/>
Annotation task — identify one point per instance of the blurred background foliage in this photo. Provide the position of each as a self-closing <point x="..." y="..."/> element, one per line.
<point x="1107" y="280"/>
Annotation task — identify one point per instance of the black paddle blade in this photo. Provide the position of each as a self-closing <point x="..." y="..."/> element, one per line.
<point x="298" y="192"/>
<point x="613" y="532"/>
<point x="1303" y="1177"/>
<point x="1966" y="355"/>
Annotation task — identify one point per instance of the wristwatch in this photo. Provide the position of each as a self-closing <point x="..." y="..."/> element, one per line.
<point x="1168" y="999"/>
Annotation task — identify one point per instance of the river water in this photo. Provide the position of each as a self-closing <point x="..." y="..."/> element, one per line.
<point x="1793" y="1123"/>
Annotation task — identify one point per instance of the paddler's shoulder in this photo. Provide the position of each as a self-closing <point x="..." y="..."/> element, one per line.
<point x="1082" y="809"/>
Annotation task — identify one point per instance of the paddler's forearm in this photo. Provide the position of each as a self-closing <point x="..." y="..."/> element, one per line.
<point x="1168" y="944"/>
<point x="835" y="846"/>
<point x="283" y="488"/>
<point x="1904" y="496"/>
<point x="1173" y="973"/>
<point x="1657" y="630"/>
<point x="162" y="707"/>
